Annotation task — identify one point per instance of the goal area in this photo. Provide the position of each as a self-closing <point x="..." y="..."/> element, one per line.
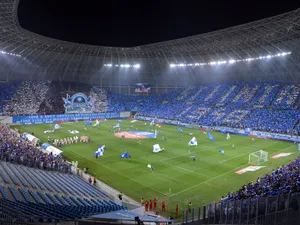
<point x="258" y="157"/>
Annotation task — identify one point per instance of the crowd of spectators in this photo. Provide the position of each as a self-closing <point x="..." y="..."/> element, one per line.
<point x="265" y="106"/>
<point x="284" y="180"/>
<point x="6" y="94"/>
<point x="99" y="98"/>
<point x="286" y="97"/>
<point x="28" y="98"/>
<point x="15" y="148"/>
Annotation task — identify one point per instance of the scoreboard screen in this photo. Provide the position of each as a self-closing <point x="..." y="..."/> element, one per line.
<point x="142" y="88"/>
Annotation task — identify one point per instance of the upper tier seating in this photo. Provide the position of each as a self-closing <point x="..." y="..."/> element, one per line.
<point x="240" y="104"/>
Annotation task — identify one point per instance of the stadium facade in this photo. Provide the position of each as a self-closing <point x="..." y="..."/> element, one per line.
<point x="29" y="56"/>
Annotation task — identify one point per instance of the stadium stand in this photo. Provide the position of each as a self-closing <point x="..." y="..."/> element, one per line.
<point x="35" y="195"/>
<point x="99" y="98"/>
<point x="259" y="202"/>
<point x="36" y="187"/>
<point x="28" y="98"/>
<point x="257" y="105"/>
<point x="6" y="93"/>
<point x="16" y="149"/>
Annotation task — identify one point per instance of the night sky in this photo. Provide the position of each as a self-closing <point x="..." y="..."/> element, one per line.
<point x="127" y="23"/>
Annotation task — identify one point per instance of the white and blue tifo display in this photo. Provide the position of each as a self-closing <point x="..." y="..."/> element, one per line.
<point x="78" y="103"/>
<point x="39" y="119"/>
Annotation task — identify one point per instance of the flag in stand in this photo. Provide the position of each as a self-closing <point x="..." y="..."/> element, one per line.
<point x="211" y="137"/>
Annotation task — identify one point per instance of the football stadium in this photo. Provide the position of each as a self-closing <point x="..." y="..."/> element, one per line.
<point x="197" y="130"/>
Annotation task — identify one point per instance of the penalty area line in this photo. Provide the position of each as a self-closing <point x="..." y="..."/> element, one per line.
<point x="221" y="175"/>
<point x="203" y="150"/>
<point x="191" y="171"/>
<point x="234" y="157"/>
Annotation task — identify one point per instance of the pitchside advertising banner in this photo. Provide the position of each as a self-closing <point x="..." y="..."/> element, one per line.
<point x="244" y="132"/>
<point x="38" y="119"/>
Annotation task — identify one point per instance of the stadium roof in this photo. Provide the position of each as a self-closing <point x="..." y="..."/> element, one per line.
<point x="45" y="55"/>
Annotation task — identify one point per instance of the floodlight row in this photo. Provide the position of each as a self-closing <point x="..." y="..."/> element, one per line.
<point x="123" y="65"/>
<point x="231" y="61"/>
<point x="8" y="53"/>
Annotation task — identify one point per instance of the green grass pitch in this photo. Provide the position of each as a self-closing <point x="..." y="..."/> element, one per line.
<point x="177" y="179"/>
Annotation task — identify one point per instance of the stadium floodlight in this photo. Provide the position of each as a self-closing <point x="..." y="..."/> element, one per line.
<point x="9" y="53"/>
<point x="222" y="62"/>
<point x="122" y="65"/>
<point x="232" y="60"/>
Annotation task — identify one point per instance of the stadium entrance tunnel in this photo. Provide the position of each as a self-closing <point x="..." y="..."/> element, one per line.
<point x="135" y="134"/>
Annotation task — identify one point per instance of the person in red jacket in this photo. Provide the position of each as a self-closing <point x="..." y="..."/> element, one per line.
<point x="154" y="203"/>
<point x="150" y="205"/>
<point x="146" y="205"/>
<point x="176" y="210"/>
<point x="163" y="206"/>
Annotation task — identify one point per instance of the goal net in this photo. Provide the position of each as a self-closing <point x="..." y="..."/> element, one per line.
<point x="258" y="157"/>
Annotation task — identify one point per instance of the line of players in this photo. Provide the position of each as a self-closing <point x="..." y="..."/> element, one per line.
<point x="70" y="140"/>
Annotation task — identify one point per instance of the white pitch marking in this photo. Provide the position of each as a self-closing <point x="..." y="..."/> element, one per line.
<point x="221" y="175"/>
<point x="234" y="157"/>
<point x="179" y="167"/>
<point x="120" y="174"/>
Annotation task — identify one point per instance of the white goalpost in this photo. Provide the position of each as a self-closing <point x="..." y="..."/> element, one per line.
<point x="258" y="157"/>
